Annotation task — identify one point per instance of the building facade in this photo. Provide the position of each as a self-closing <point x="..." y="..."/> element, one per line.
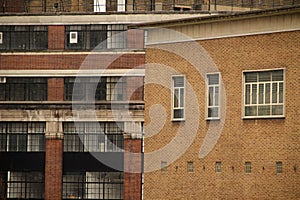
<point x="225" y="124"/>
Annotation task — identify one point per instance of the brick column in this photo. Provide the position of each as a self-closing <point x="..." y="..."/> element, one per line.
<point x="56" y="37"/>
<point x="56" y="89"/>
<point x="132" y="167"/>
<point x="53" y="165"/>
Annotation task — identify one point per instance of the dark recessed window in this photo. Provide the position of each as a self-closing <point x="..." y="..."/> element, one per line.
<point x="24" y="89"/>
<point x="24" y="37"/>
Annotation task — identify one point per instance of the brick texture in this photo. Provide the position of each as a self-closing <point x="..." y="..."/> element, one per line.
<point x="53" y="169"/>
<point x="56" y="89"/>
<point x="132" y="166"/>
<point x="56" y="37"/>
<point x="262" y="142"/>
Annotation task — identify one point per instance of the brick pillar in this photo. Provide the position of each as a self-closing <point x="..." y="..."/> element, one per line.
<point x="55" y="89"/>
<point x="56" y="37"/>
<point x="135" y="39"/>
<point x="132" y="167"/>
<point x="53" y="165"/>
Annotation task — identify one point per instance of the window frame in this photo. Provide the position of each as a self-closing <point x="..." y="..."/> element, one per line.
<point x="190" y="166"/>
<point x="179" y="101"/>
<point x="244" y="116"/>
<point x="218" y="167"/>
<point x="207" y="96"/>
<point x="248" y="167"/>
<point x="279" y="167"/>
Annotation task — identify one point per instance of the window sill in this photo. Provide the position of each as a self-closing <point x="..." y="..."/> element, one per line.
<point x="264" y="117"/>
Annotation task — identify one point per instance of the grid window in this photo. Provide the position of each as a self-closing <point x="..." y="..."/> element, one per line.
<point x="93" y="185"/>
<point x="93" y="137"/>
<point x="163" y="166"/>
<point x="213" y="96"/>
<point x="218" y="167"/>
<point x="178" y="98"/>
<point x="264" y="94"/>
<point x="95" y="88"/>
<point x="248" y="167"/>
<point x="24" y="89"/>
<point x="190" y="166"/>
<point x="278" y="167"/>
<point x="96" y="37"/>
<point x="22" y="137"/>
<point x="24" y="37"/>
<point x="24" y="185"/>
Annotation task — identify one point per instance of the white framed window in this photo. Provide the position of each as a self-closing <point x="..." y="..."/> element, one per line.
<point x="190" y="166"/>
<point x="278" y="167"/>
<point x="163" y="165"/>
<point x="121" y="5"/>
<point x="99" y="5"/>
<point x="264" y="94"/>
<point x="178" y="98"/>
<point x="213" y="96"/>
<point x="218" y="167"/>
<point x="1" y="38"/>
<point x="73" y="37"/>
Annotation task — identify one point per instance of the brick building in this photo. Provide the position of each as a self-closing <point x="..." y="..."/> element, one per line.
<point x="225" y="124"/>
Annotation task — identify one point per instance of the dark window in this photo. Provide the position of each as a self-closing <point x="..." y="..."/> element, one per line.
<point x="93" y="185"/>
<point x="278" y="167"/>
<point x="24" y="89"/>
<point x="93" y="88"/>
<point x="23" y="185"/>
<point x="93" y="137"/>
<point x="96" y="37"/>
<point x="22" y="136"/>
<point x="24" y="37"/>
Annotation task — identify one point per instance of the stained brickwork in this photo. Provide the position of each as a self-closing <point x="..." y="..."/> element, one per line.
<point x="53" y="169"/>
<point x="263" y="142"/>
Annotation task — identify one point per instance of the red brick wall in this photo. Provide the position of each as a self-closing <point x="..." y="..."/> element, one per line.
<point x="135" y="39"/>
<point x="132" y="163"/>
<point x="56" y="37"/>
<point x="53" y="169"/>
<point x="56" y="89"/>
<point x="72" y="61"/>
<point x="134" y="92"/>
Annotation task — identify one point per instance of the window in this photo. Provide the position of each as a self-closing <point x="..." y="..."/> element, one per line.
<point x="24" y="185"/>
<point x="248" y="167"/>
<point x="24" y="37"/>
<point x="22" y="137"/>
<point x="218" y="167"/>
<point x="93" y="88"/>
<point x="278" y="167"/>
<point x="93" y="185"/>
<point x="163" y="166"/>
<point x="264" y="94"/>
<point x="24" y="89"/>
<point x="178" y="98"/>
<point x="190" y="166"/>
<point x="96" y="37"/>
<point x="93" y="137"/>
<point x="213" y="95"/>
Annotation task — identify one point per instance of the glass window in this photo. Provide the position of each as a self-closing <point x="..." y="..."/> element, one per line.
<point x="218" y="167"/>
<point x="278" y="167"/>
<point x="178" y="98"/>
<point x="94" y="88"/>
<point x="24" y="37"/>
<point x="164" y="166"/>
<point x="22" y="136"/>
<point x="263" y="94"/>
<point x="93" y="185"/>
<point x="24" y="89"/>
<point x="25" y="185"/>
<point x="248" y="167"/>
<point x="93" y="137"/>
<point x="190" y="166"/>
<point x="213" y="95"/>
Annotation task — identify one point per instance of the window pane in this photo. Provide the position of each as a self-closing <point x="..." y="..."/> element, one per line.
<point x="176" y="96"/>
<point x="213" y="79"/>
<point x="277" y="110"/>
<point x="274" y="92"/>
<point x="264" y="110"/>
<point x="250" y="77"/>
<point x="268" y="93"/>
<point x="254" y="94"/>
<point x="251" y="110"/>
<point x="216" y="95"/>
<point x="247" y="98"/>
<point x="261" y="94"/>
<point x="181" y="97"/>
<point x="264" y="76"/>
<point x="277" y="75"/>
<point x="213" y="112"/>
<point x="280" y="92"/>
<point x="178" y="113"/>
<point x="211" y="96"/>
